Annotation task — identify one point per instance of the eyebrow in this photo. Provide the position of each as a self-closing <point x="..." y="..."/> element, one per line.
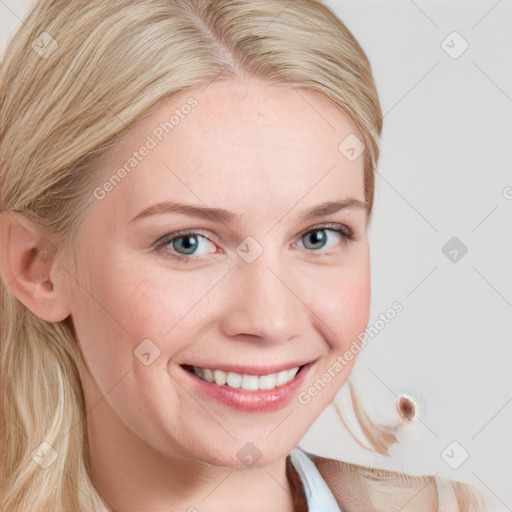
<point x="226" y="216"/>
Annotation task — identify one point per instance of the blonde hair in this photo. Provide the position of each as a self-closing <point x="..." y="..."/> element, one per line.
<point x="103" y="66"/>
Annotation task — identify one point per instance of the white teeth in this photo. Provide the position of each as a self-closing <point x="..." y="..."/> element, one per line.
<point x="282" y="378"/>
<point x="220" y="377"/>
<point x="234" y="380"/>
<point x="250" y="382"/>
<point x="267" y="381"/>
<point x="292" y="372"/>
<point x="245" y="381"/>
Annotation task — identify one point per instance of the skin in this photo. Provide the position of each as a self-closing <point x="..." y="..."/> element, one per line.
<point x="266" y="154"/>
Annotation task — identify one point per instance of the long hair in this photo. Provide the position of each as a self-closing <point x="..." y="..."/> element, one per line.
<point x="75" y="77"/>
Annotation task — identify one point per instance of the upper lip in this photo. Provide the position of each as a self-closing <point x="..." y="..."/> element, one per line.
<point x="250" y="370"/>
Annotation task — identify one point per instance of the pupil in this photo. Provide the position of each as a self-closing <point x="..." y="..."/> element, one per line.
<point x="188" y="245"/>
<point x="317" y="237"/>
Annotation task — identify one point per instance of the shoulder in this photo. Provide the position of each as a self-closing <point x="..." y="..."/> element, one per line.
<point x="360" y="488"/>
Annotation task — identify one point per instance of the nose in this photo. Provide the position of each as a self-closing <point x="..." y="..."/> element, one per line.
<point x="264" y="302"/>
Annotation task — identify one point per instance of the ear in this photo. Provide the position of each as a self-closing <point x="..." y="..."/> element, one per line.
<point x="27" y="267"/>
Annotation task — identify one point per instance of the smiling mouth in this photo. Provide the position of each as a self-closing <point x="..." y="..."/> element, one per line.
<point x="244" y="380"/>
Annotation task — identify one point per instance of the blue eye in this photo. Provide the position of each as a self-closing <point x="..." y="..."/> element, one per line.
<point x="318" y="237"/>
<point x="187" y="246"/>
<point x="188" y="243"/>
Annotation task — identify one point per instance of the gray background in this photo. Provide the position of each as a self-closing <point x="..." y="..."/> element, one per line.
<point x="445" y="171"/>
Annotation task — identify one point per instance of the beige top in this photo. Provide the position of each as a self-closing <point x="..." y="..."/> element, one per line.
<point x="363" y="489"/>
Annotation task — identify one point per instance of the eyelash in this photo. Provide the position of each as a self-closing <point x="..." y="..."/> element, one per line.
<point x="160" y="245"/>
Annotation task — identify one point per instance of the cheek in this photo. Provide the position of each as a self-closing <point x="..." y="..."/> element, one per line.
<point x="130" y="301"/>
<point x="345" y="309"/>
<point x="113" y="311"/>
<point x="124" y="301"/>
<point x="118" y="309"/>
<point x="355" y="305"/>
<point x="344" y="304"/>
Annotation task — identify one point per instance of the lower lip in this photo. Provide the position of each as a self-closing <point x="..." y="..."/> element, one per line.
<point x="250" y="401"/>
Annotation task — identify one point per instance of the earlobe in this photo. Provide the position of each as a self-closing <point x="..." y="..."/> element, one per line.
<point x="27" y="267"/>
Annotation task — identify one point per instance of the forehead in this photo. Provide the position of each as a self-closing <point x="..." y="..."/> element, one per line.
<point x="252" y="146"/>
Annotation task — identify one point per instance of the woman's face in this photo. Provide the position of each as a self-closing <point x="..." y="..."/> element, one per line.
<point x="253" y="291"/>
